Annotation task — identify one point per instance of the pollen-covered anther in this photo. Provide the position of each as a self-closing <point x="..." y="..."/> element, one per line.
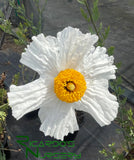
<point x="69" y="85"/>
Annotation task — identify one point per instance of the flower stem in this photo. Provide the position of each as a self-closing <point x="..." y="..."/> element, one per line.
<point x="92" y="21"/>
<point x="122" y="117"/>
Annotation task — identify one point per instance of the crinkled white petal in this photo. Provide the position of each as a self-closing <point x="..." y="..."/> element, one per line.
<point x="98" y="65"/>
<point x="50" y="55"/>
<point x="41" y="54"/>
<point x="73" y="45"/>
<point x="100" y="103"/>
<point x="26" y="98"/>
<point x="58" y="119"/>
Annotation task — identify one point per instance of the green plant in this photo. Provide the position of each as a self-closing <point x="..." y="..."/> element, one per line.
<point x="111" y="153"/>
<point x="91" y="15"/>
<point x="2" y="155"/>
<point x="26" y="27"/>
<point x="3" y="113"/>
<point x="3" y="103"/>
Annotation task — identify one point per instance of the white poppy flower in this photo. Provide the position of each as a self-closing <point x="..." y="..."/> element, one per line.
<point x="73" y="76"/>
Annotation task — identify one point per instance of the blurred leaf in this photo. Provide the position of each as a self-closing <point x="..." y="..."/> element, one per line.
<point x="120" y="91"/>
<point x="118" y="65"/>
<point x="111" y="50"/>
<point x="81" y="2"/>
<point x="2" y="14"/>
<point x="2" y="155"/>
<point x="130" y="112"/>
<point x="112" y="145"/>
<point x="123" y="102"/>
<point x="6" y="26"/>
<point x="118" y="80"/>
<point x="3" y="94"/>
<point x="91" y="30"/>
<point x="12" y="3"/>
<point x="16" y="78"/>
<point x="95" y="11"/>
<point x="100" y="27"/>
<point x="84" y="14"/>
<point x="105" y="34"/>
<point x="2" y="116"/>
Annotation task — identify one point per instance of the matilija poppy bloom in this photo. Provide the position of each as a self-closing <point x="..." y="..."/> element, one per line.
<point x="73" y="76"/>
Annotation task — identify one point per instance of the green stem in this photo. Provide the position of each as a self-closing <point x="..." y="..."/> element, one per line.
<point x="122" y="116"/>
<point x="92" y="21"/>
<point x="4" y="105"/>
<point x="22" y="71"/>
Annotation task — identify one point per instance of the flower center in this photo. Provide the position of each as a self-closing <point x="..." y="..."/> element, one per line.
<point x="69" y="85"/>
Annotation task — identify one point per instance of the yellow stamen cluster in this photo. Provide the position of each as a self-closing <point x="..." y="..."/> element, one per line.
<point x="69" y="85"/>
